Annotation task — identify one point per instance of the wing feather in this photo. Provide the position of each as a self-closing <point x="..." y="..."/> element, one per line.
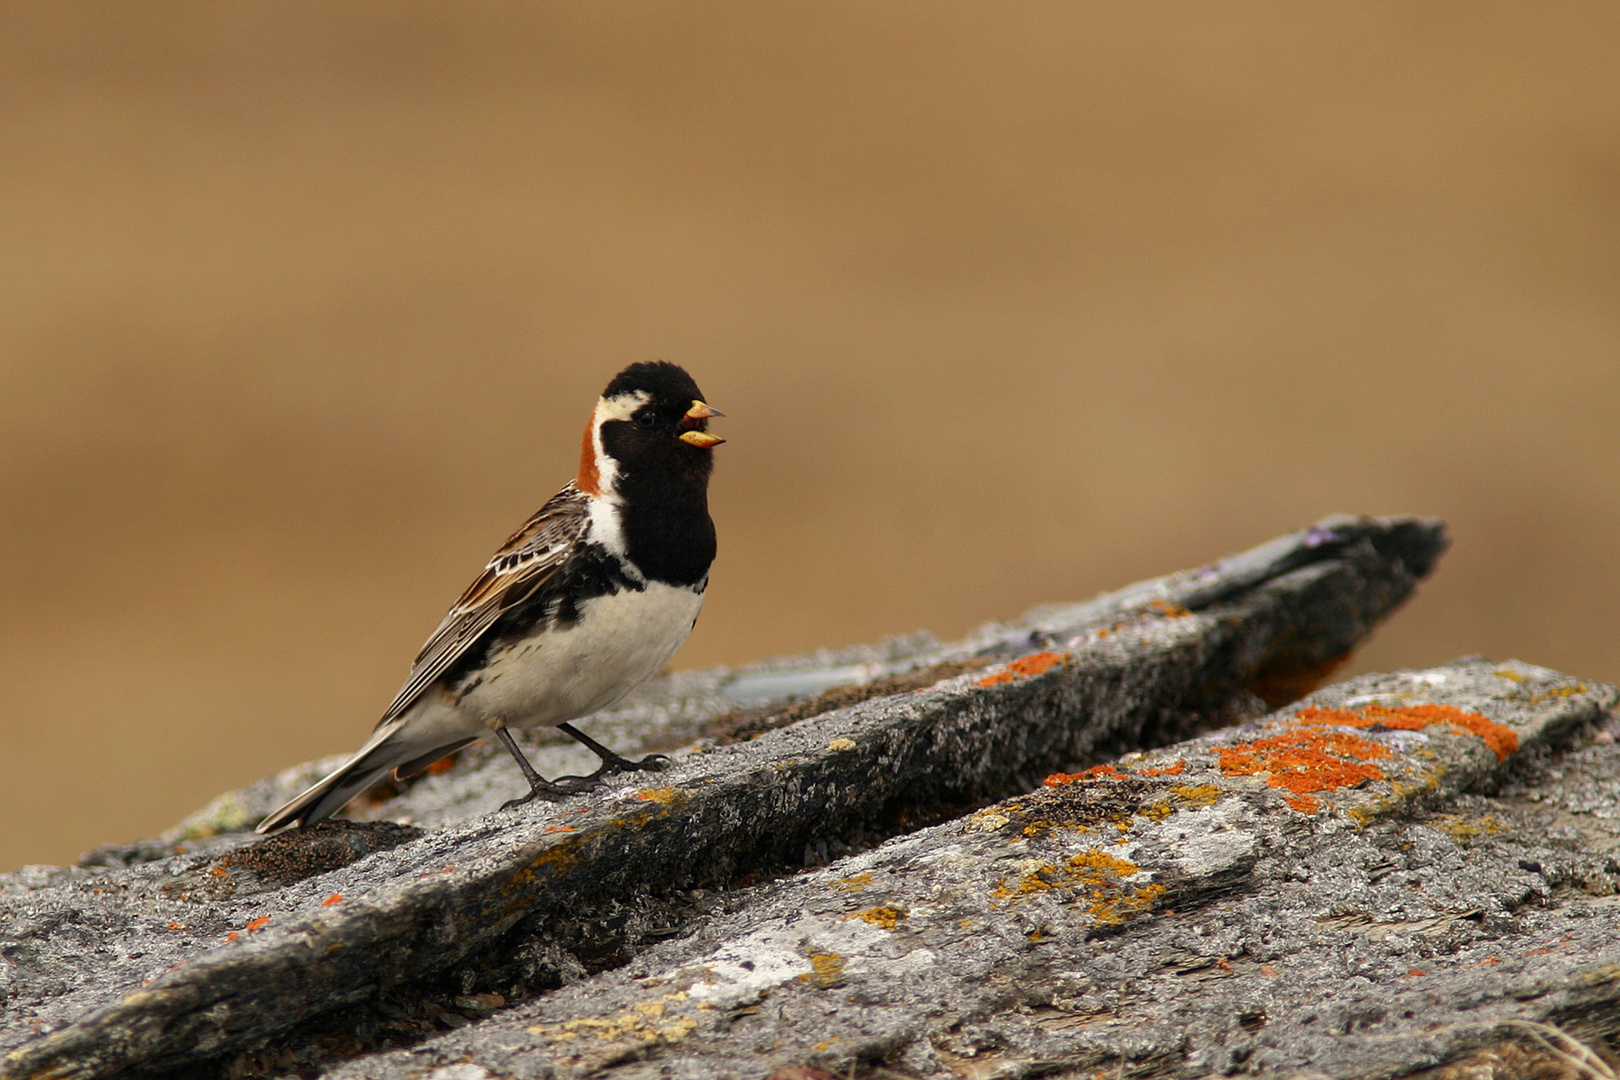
<point x="524" y="563"/>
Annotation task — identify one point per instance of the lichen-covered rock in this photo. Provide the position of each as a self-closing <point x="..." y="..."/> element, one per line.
<point x="175" y="954"/>
<point x="1326" y="890"/>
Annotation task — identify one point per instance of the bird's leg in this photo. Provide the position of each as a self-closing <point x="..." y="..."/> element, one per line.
<point x="611" y="762"/>
<point x="539" y="786"/>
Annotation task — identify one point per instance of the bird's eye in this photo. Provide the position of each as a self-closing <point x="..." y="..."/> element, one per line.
<point x="647" y="419"/>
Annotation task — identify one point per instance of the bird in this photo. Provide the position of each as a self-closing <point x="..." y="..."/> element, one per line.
<point x="588" y="599"/>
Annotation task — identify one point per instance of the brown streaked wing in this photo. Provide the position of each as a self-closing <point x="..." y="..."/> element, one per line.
<point x="523" y="564"/>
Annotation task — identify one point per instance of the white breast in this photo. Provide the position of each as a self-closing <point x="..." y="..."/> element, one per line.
<point x="556" y="676"/>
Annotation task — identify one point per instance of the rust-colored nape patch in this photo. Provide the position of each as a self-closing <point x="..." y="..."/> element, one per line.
<point x="1501" y="739"/>
<point x="1025" y="667"/>
<point x="588" y="481"/>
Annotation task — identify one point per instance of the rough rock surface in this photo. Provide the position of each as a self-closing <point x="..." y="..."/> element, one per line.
<point x="188" y="952"/>
<point x="1329" y="889"/>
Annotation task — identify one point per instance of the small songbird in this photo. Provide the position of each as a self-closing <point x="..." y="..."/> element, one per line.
<point x="588" y="599"/>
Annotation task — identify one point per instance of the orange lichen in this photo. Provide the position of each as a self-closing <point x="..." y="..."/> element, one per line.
<point x="1305" y="804"/>
<point x="1025" y="667"/>
<point x="176" y="926"/>
<point x="1174" y="611"/>
<point x="1501" y="740"/>
<point x="258" y="924"/>
<point x="559" y="828"/>
<point x="1305" y="762"/>
<point x="666" y="795"/>
<point x="560" y="859"/>
<point x="232" y="936"/>
<point x="335" y="898"/>
<point x="1093" y="773"/>
<point x="1169" y="770"/>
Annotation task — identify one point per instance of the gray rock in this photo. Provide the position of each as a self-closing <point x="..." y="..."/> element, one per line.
<point x="188" y="952"/>
<point x="1318" y="891"/>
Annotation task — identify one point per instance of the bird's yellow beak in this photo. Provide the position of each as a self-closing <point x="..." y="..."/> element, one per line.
<point x="693" y="420"/>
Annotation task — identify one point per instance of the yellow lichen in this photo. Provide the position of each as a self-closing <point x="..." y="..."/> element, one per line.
<point x="826" y="969"/>
<point x="1464" y="830"/>
<point x="988" y="820"/>
<point x="1094" y="870"/>
<point x="677" y="1031"/>
<point x="853" y="883"/>
<point x="1042" y="826"/>
<point x="884" y="917"/>
<point x="1157" y="811"/>
<point x="634" y="1025"/>
<point x="1111" y="910"/>
<point x="1196" y="794"/>
<point x="1102" y="862"/>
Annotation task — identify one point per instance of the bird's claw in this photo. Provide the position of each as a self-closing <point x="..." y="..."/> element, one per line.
<point x="564" y="786"/>
<point x="613" y="766"/>
<point x="549" y="794"/>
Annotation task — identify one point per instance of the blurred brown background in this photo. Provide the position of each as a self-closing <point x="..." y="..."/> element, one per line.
<point x="304" y="306"/>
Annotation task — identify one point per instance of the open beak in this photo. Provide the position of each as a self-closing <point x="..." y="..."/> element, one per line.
<point x="693" y="421"/>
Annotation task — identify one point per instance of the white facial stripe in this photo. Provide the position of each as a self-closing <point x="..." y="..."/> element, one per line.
<point x="618" y="407"/>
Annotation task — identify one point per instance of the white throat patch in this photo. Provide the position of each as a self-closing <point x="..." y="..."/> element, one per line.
<point x="606" y="529"/>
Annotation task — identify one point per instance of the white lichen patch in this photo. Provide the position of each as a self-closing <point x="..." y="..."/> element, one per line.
<point x="743" y="970"/>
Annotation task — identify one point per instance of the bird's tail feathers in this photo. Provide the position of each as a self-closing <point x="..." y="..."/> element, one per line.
<point x="383" y="751"/>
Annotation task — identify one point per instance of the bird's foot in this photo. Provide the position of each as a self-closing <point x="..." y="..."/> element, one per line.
<point x="650" y="763"/>
<point x="548" y="790"/>
<point x="617" y="764"/>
